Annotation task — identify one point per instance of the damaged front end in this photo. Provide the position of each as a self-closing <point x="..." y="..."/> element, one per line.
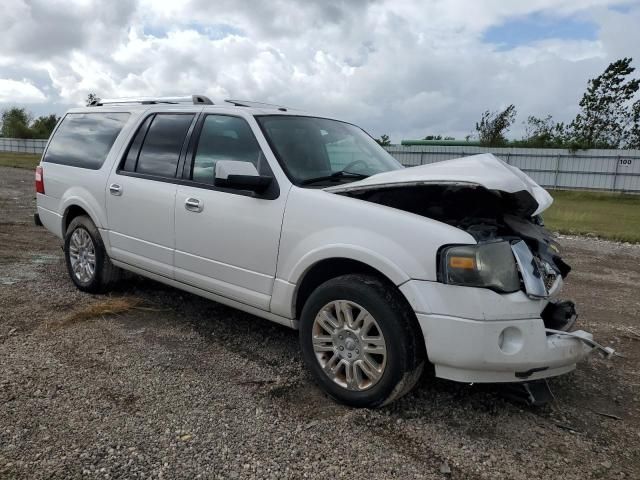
<point x="499" y="206"/>
<point x="491" y="218"/>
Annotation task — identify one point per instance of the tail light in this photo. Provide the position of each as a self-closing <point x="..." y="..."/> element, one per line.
<point x="39" y="180"/>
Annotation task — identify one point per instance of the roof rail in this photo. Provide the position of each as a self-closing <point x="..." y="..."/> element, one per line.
<point x="248" y="103"/>
<point x="193" y="99"/>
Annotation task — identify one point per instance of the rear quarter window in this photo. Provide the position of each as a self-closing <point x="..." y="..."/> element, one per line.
<point x="85" y="139"/>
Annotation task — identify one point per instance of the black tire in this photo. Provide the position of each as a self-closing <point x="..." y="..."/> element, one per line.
<point x="405" y="348"/>
<point x="105" y="273"/>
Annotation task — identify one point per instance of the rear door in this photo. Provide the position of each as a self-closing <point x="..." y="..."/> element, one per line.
<point x="141" y="192"/>
<point x="228" y="245"/>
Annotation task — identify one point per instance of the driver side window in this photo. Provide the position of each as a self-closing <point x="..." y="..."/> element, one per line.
<point x="224" y="138"/>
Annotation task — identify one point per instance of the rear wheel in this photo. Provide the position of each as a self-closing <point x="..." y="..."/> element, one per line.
<point x="360" y="341"/>
<point x="87" y="261"/>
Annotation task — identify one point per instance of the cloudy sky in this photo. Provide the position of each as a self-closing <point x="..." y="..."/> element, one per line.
<point x="403" y="67"/>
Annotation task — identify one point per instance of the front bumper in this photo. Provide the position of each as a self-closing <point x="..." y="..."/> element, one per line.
<point x="477" y="335"/>
<point x="500" y="351"/>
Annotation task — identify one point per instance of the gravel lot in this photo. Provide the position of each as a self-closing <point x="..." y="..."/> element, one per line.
<point x="174" y="386"/>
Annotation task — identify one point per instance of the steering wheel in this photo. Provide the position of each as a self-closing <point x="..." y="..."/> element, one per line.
<point x="352" y="164"/>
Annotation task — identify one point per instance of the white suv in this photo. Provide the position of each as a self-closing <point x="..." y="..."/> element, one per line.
<point x="307" y="222"/>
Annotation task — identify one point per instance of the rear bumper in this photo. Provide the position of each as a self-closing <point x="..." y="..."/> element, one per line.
<point x="498" y="351"/>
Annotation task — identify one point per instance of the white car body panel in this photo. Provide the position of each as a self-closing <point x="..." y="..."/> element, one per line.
<point x="396" y="243"/>
<point x="141" y="223"/>
<point x="231" y="246"/>
<point x="253" y="253"/>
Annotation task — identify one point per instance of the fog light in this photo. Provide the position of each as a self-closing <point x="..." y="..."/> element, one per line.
<point x="510" y="340"/>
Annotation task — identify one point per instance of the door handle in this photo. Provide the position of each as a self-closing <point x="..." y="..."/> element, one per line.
<point x="115" y="189"/>
<point x="193" y="205"/>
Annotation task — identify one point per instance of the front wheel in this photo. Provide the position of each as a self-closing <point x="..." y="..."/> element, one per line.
<point x="360" y="341"/>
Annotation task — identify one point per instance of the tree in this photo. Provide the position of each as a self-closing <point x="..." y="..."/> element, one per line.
<point x="607" y="118"/>
<point x="44" y="125"/>
<point x="494" y="125"/>
<point x="15" y="123"/>
<point x="543" y="133"/>
<point x="91" y="98"/>
<point x="383" y="141"/>
<point x="634" y="131"/>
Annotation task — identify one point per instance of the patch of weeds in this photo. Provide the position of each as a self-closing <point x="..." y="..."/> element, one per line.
<point x="108" y="306"/>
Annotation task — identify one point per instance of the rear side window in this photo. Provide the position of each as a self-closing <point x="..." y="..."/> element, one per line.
<point x="156" y="148"/>
<point x="84" y="139"/>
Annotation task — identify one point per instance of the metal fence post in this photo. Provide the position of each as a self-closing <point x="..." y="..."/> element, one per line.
<point x="615" y="173"/>
<point x="555" y="178"/>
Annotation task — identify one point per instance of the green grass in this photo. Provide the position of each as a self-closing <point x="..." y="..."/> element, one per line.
<point x="19" y="160"/>
<point x="613" y="216"/>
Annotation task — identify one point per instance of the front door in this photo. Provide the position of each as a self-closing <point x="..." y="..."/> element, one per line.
<point x="227" y="241"/>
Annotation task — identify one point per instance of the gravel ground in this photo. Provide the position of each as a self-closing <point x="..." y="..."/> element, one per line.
<point x="175" y="386"/>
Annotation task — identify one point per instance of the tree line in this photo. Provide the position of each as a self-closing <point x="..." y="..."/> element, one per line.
<point x="19" y="123"/>
<point x="609" y="117"/>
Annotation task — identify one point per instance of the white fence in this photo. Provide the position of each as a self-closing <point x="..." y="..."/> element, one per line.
<point x="613" y="170"/>
<point x="22" y="145"/>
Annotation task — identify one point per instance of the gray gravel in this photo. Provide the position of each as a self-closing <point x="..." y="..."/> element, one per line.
<point x="180" y="387"/>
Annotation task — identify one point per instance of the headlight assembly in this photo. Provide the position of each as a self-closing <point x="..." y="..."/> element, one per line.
<point x="486" y="265"/>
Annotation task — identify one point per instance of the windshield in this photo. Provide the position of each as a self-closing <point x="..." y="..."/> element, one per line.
<point x="318" y="151"/>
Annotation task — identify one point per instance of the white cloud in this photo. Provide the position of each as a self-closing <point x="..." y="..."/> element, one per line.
<point x="16" y="92"/>
<point x="403" y="67"/>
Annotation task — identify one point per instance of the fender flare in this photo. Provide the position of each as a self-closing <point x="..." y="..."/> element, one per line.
<point x="351" y="252"/>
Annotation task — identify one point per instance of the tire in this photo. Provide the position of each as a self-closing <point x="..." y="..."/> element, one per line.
<point x="81" y="241"/>
<point x="398" y="369"/>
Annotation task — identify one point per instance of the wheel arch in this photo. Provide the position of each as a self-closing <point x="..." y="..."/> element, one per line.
<point x="333" y="267"/>
<point x="74" y="206"/>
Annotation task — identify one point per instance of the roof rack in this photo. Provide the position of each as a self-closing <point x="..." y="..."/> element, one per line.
<point x="248" y="103"/>
<point x="193" y="99"/>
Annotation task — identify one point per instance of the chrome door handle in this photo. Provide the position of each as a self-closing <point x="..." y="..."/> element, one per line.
<point x="193" y="205"/>
<point x="115" y="189"/>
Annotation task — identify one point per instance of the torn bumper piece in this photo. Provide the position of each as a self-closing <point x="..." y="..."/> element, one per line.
<point x="481" y="351"/>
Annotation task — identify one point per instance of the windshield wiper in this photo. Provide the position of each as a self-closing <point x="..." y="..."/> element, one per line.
<point x="338" y="174"/>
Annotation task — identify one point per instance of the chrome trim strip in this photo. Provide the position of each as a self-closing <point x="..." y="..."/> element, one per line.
<point x="531" y="274"/>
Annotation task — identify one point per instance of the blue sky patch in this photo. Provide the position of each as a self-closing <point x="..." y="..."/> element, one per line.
<point x="536" y="27"/>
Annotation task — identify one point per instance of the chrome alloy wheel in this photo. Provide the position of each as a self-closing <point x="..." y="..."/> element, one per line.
<point x="82" y="255"/>
<point x="349" y="345"/>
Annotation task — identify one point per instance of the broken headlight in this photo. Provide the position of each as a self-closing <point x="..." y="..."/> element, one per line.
<point x="486" y="265"/>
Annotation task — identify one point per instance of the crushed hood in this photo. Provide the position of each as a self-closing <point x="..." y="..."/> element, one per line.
<point x="484" y="170"/>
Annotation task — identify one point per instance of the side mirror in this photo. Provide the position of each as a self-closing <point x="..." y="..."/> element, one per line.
<point x="240" y="175"/>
